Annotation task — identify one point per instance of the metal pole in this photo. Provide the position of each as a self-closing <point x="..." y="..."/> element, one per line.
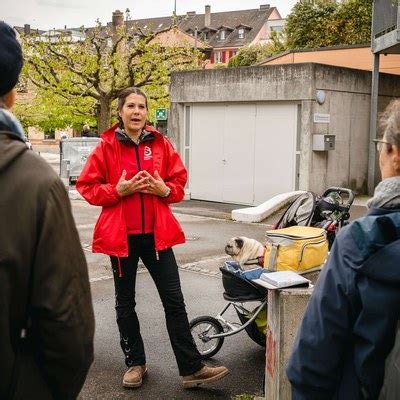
<point x="373" y="125"/>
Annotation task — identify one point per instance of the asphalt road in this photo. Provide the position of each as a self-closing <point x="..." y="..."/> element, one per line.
<point x="203" y="295"/>
<point x="200" y="259"/>
<point x="204" y="249"/>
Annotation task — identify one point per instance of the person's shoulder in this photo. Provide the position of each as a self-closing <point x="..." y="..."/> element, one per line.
<point x="109" y="134"/>
<point x="374" y="230"/>
<point x="375" y="223"/>
<point x="160" y="137"/>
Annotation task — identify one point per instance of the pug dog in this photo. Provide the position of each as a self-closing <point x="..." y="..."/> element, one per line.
<point x="244" y="250"/>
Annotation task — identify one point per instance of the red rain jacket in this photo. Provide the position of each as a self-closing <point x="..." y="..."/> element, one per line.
<point x="97" y="184"/>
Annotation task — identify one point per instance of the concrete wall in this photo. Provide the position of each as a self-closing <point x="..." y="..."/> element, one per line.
<point x="347" y="102"/>
<point x="283" y="82"/>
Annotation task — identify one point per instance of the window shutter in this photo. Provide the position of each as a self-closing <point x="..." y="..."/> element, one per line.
<point x="223" y="56"/>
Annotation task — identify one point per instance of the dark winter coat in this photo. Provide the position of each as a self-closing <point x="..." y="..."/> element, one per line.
<point x="351" y="321"/>
<point x="39" y="244"/>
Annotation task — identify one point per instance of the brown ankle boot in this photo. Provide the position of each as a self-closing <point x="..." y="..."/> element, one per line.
<point x="204" y="375"/>
<point x="133" y="378"/>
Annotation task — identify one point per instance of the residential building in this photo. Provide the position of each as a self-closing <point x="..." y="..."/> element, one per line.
<point x="52" y="35"/>
<point x="223" y="32"/>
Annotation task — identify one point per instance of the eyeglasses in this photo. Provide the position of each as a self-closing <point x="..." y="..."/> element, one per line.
<point x="379" y="144"/>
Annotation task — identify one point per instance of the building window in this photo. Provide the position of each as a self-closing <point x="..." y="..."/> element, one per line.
<point x="205" y="35"/>
<point x="231" y="54"/>
<point x="276" y="28"/>
<point x="218" y="57"/>
<point x="222" y="35"/>
<point x="241" y="33"/>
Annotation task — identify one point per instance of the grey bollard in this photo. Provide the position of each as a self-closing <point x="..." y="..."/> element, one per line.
<point x="286" y="308"/>
<point x="64" y="172"/>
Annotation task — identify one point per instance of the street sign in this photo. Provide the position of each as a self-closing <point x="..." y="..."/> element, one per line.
<point x="161" y="114"/>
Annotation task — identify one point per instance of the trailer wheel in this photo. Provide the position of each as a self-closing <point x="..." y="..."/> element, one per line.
<point x="202" y="328"/>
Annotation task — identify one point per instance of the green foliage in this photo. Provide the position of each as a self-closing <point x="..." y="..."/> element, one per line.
<point x="253" y="54"/>
<point x="79" y="81"/>
<point x="323" y="23"/>
<point x="306" y="25"/>
<point x="352" y="24"/>
<point x="220" y="66"/>
<point x="49" y="111"/>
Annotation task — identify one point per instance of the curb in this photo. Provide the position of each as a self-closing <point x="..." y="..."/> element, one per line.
<point x="191" y="267"/>
<point x="196" y="266"/>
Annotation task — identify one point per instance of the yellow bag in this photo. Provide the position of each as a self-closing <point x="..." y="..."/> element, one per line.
<point x="297" y="248"/>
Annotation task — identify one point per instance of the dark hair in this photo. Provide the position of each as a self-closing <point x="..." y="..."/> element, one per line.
<point x="389" y="123"/>
<point x="123" y="94"/>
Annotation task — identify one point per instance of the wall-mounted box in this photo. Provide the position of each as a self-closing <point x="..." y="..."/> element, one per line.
<point x="323" y="142"/>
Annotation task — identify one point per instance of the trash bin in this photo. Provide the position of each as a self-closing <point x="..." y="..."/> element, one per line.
<point x="76" y="151"/>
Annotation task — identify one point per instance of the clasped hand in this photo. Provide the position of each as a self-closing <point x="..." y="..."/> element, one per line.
<point x="141" y="182"/>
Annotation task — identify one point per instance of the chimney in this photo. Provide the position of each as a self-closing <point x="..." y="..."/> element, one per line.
<point x="27" y="29"/>
<point x="117" y="19"/>
<point x="207" y="16"/>
<point x="191" y="13"/>
<point x="264" y="7"/>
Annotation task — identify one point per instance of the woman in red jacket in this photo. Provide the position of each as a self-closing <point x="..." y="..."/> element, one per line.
<point x="134" y="173"/>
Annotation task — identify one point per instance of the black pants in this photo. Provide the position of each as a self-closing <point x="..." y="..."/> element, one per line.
<point x="164" y="272"/>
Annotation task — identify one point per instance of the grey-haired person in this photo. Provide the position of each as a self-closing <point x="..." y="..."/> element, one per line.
<point x="348" y="344"/>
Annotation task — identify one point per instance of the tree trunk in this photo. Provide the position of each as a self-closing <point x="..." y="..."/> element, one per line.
<point x="103" y="115"/>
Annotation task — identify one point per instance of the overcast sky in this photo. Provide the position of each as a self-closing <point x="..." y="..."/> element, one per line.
<point x="48" y="14"/>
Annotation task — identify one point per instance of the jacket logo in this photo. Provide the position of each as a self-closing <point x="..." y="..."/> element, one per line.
<point x="147" y="153"/>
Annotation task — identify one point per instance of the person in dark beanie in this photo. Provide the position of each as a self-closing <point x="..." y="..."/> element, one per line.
<point x="46" y="319"/>
<point x="11" y="59"/>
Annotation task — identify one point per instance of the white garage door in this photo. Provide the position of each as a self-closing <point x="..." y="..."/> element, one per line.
<point x="242" y="153"/>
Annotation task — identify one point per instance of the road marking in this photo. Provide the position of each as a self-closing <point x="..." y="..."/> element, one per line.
<point x="85" y="226"/>
<point x="101" y="278"/>
<point x="196" y="266"/>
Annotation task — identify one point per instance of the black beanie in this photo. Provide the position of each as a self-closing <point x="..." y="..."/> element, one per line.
<point x="10" y="58"/>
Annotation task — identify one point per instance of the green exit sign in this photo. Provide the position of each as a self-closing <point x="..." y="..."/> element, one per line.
<point x="161" y="114"/>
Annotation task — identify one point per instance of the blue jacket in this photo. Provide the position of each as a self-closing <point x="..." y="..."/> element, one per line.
<point x="349" y="326"/>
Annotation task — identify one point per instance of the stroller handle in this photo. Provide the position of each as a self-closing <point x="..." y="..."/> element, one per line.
<point x="341" y="190"/>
